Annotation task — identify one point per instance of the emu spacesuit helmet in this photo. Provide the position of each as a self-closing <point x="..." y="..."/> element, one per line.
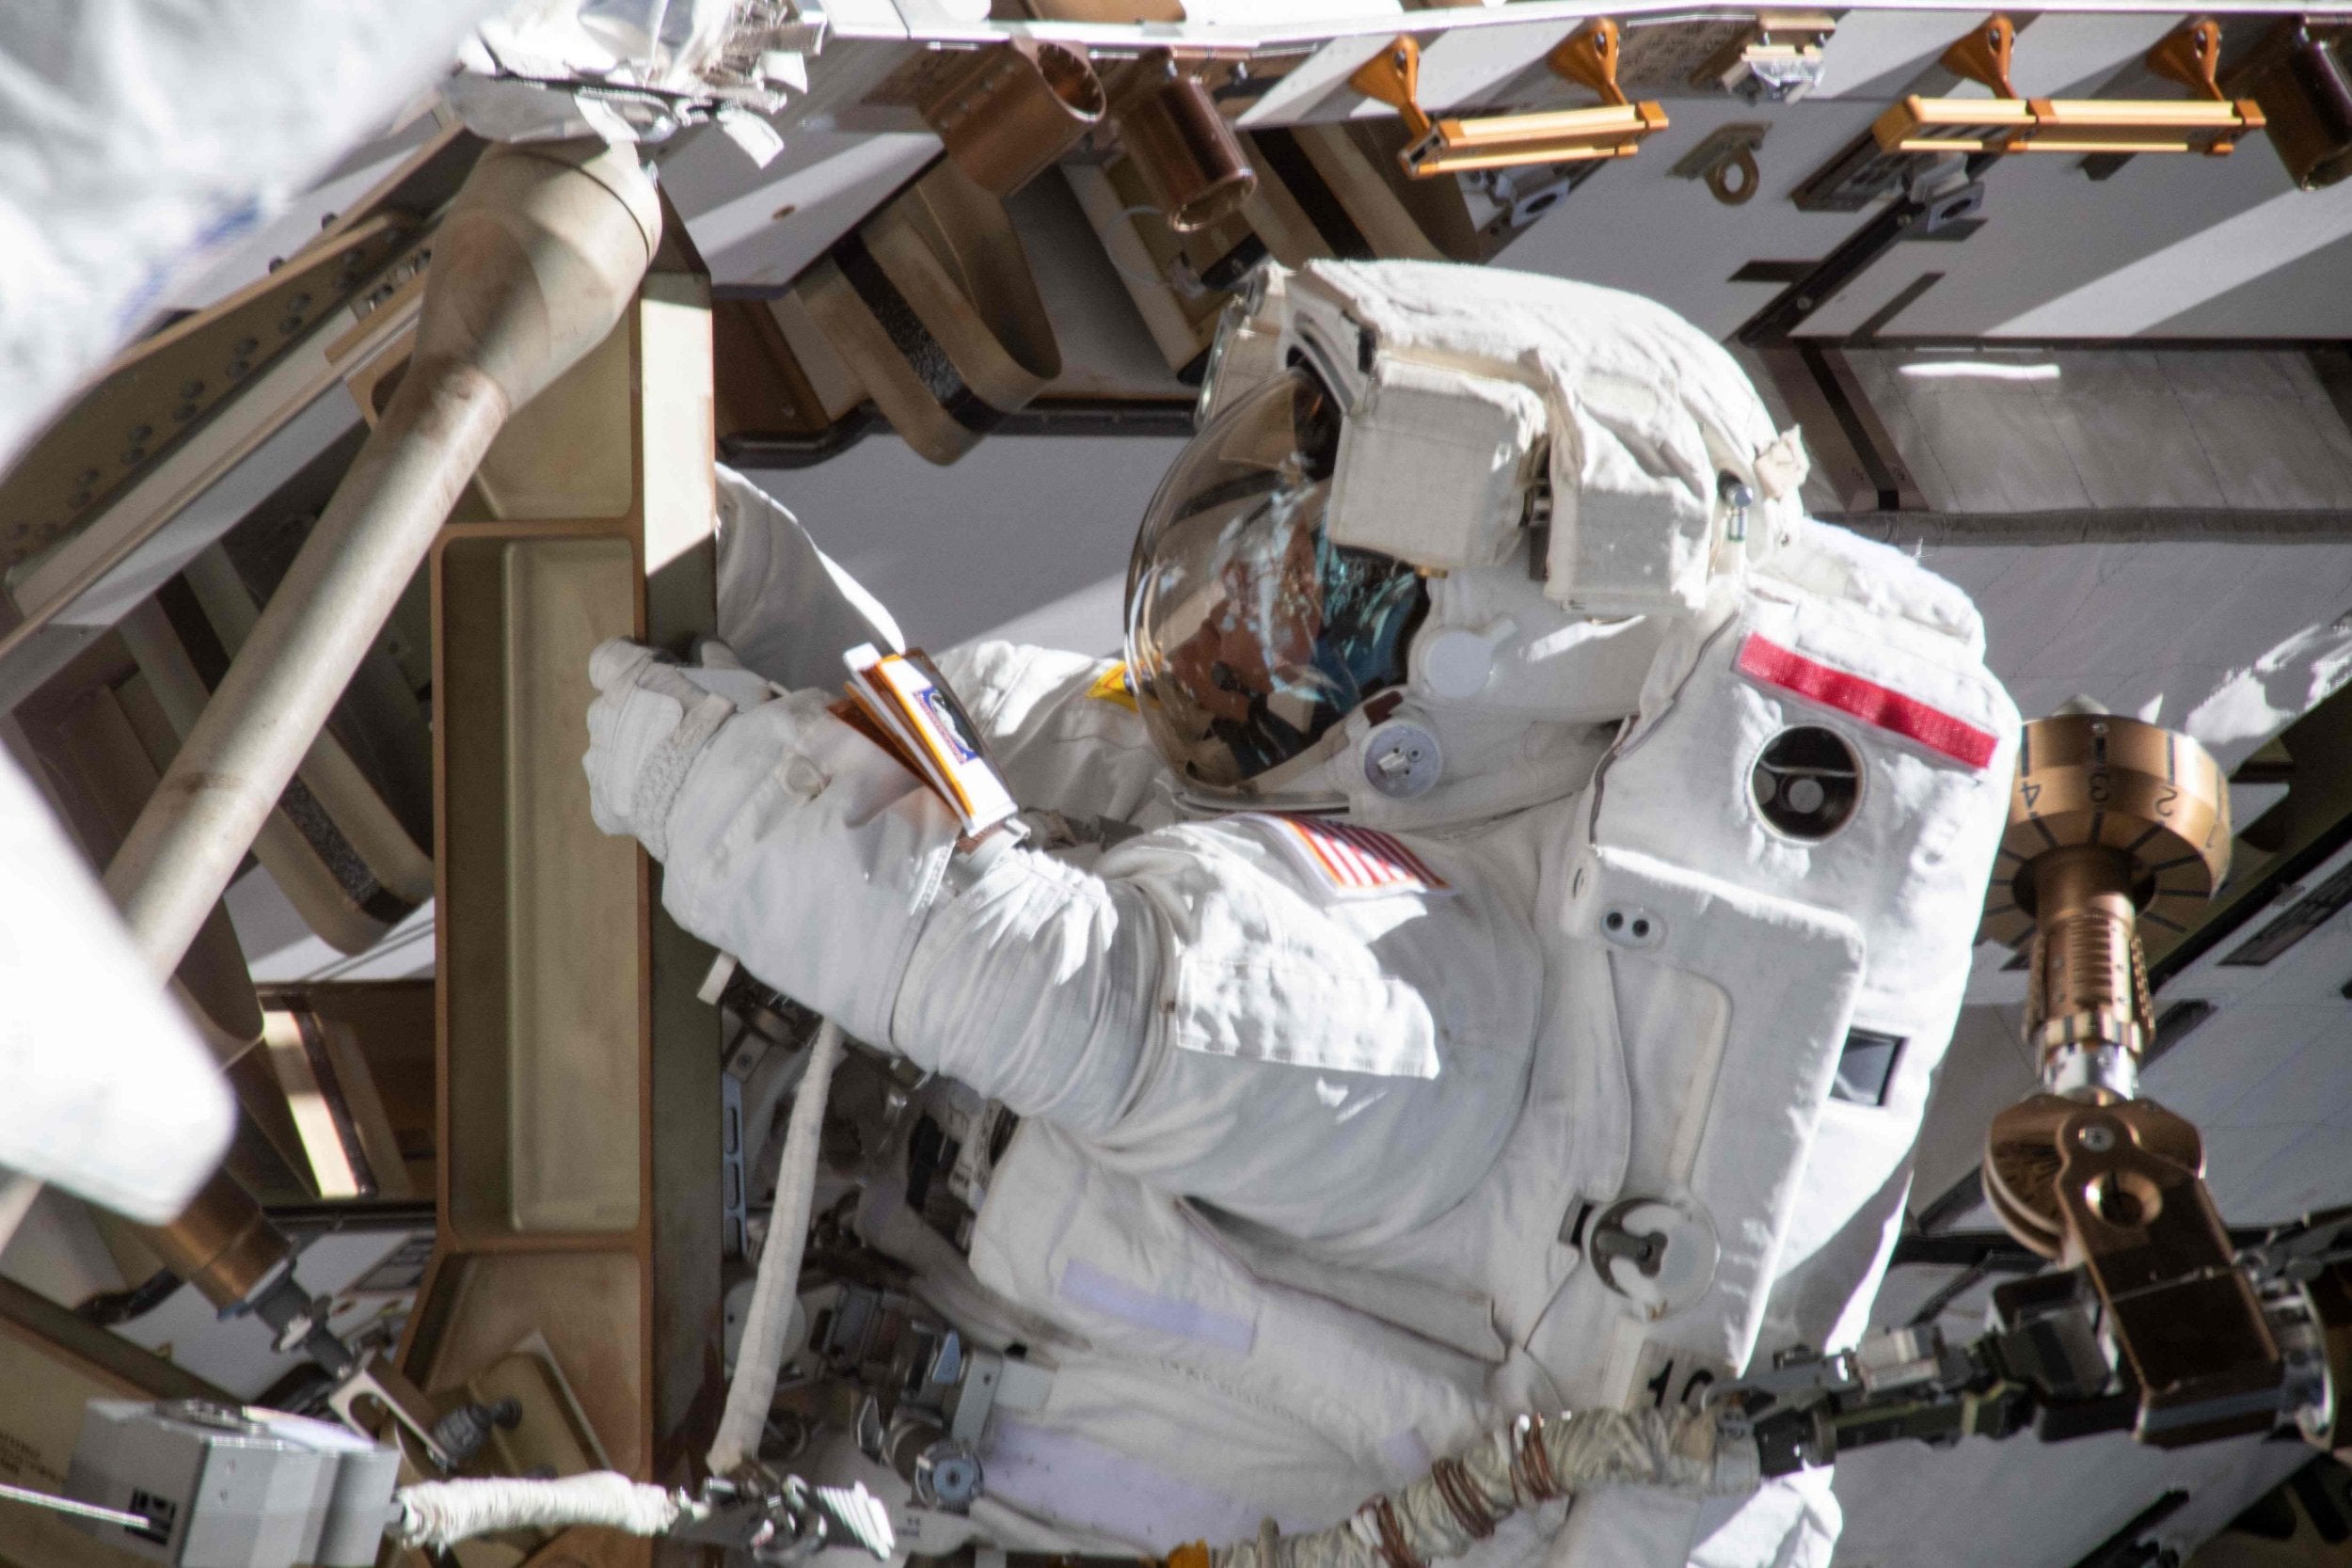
<point x="1420" y="548"/>
<point x="1251" y="630"/>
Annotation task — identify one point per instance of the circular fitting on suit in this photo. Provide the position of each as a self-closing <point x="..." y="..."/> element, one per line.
<point x="1403" y="760"/>
<point x="1458" y="663"/>
<point x="948" y="1475"/>
<point x="1658" y="1252"/>
<point x="1806" y="782"/>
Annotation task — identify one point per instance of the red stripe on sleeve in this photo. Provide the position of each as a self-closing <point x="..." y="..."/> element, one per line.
<point x="1773" y="665"/>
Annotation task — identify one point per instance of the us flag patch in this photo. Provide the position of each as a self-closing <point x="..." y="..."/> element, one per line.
<point x="1352" y="860"/>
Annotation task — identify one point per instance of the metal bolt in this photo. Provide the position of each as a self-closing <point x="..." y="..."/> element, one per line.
<point x="2098" y="1139"/>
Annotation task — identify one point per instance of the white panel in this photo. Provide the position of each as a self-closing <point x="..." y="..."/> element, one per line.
<point x="1326" y="72"/>
<point x="2190" y="271"/>
<point x="1870" y="44"/>
<point x="2062" y="51"/>
<point x="2268" y="1077"/>
<point x="2047" y="1505"/>
<point x="820" y="187"/>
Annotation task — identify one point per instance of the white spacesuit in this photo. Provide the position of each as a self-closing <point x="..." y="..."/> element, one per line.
<point x="1540" y="872"/>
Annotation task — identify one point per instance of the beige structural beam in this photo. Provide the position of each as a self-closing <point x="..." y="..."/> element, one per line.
<point x="533" y="264"/>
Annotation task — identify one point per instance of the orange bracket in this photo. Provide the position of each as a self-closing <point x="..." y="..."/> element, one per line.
<point x="2209" y="123"/>
<point x="1587" y="56"/>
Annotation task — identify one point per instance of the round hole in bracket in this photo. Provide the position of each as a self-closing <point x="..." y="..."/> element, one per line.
<point x="1807" y="781"/>
<point x="2124" y="1199"/>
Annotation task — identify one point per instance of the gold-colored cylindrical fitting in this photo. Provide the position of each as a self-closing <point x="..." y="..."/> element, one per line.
<point x="2089" y="985"/>
<point x="1187" y="156"/>
<point x="2112" y="822"/>
<point x="222" y="1243"/>
<point x="1012" y="108"/>
<point x="2151" y="795"/>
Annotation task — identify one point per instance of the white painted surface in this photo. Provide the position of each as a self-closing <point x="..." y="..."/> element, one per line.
<point x="2268" y="1078"/>
<point x="2146" y="629"/>
<point x="1871" y="50"/>
<point x="1020" y="523"/>
<point x="2035" y="1505"/>
<point x="280" y="949"/>
<point x="2066" y="56"/>
<point x="2147" y="292"/>
<point x="817" y="190"/>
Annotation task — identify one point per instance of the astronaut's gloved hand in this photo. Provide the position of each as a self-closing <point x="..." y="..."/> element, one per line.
<point x="787" y="837"/>
<point x="650" y="721"/>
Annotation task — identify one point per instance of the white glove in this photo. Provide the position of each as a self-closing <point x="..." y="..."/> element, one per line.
<point x="809" y="852"/>
<point x="649" y="722"/>
<point x="787" y="837"/>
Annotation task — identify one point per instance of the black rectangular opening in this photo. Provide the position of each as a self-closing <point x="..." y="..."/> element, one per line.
<point x="1866" y="1067"/>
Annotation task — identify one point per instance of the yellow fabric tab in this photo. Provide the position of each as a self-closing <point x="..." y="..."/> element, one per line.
<point x="1111" y="686"/>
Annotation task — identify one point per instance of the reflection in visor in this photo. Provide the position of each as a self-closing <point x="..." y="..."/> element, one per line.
<point x="1249" y="632"/>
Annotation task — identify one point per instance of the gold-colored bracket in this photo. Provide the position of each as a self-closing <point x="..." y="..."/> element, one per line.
<point x="2147" y="1230"/>
<point x="2126" y="1202"/>
<point x="2191" y="55"/>
<point x="2113" y="820"/>
<point x="1588" y="57"/>
<point x="2210" y="123"/>
<point x="1983" y="54"/>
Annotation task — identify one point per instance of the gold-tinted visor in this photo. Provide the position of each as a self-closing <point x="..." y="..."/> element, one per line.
<point x="1249" y="634"/>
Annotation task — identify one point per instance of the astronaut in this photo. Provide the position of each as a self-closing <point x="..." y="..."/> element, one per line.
<point x="1524" y="881"/>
